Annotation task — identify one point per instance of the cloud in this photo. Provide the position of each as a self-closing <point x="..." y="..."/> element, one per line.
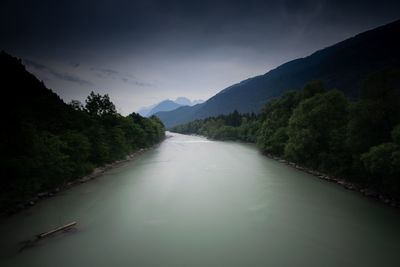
<point x="59" y="75"/>
<point x="175" y="47"/>
<point x="137" y="83"/>
<point x="35" y="65"/>
<point x="114" y="74"/>
<point x="70" y="78"/>
<point x="74" y="64"/>
<point x="105" y="71"/>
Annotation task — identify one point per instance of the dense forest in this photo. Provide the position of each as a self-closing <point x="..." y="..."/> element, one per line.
<point x="323" y="130"/>
<point x="45" y="143"/>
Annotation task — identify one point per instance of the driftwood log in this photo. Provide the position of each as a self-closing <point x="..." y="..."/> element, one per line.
<point x="30" y="243"/>
<point x="56" y="230"/>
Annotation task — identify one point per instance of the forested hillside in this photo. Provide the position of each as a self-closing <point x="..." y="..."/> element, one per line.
<point x="323" y="130"/>
<point x="343" y="66"/>
<point x="45" y="142"/>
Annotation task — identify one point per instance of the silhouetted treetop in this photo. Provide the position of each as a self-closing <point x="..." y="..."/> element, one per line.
<point x="98" y="105"/>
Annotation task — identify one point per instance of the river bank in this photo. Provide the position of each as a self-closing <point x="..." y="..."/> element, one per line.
<point x="98" y="171"/>
<point x="367" y="192"/>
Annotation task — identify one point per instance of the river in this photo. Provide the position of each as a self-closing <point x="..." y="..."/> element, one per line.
<point x="195" y="202"/>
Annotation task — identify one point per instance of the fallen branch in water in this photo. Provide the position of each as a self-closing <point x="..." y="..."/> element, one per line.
<point x="56" y="230"/>
<point x="30" y="243"/>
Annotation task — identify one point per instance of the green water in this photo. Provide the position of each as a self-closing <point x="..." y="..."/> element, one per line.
<point x="194" y="202"/>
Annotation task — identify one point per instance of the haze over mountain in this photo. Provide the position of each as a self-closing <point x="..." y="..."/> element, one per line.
<point x="343" y="66"/>
<point x="184" y="101"/>
<point x="168" y="105"/>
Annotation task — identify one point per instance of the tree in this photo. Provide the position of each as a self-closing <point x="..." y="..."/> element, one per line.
<point x="315" y="128"/>
<point x="77" y="148"/>
<point x="46" y="142"/>
<point x="312" y="88"/>
<point x="382" y="163"/>
<point x="77" y="105"/>
<point x="98" y="105"/>
<point x="276" y="115"/>
<point x="379" y="160"/>
<point x="378" y="111"/>
<point x="49" y="164"/>
<point x="117" y="144"/>
<point x="99" y="149"/>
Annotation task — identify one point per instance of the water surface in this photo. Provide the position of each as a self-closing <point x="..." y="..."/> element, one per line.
<point x="194" y="202"/>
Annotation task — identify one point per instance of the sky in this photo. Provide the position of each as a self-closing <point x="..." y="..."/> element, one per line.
<point x="142" y="52"/>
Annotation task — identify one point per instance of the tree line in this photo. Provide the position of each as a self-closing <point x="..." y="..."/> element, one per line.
<point x="321" y="129"/>
<point x="40" y="154"/>
<point x="45" y="143"/>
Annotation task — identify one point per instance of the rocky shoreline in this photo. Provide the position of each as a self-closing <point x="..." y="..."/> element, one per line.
<point x="48" y="194"/>
<point x="368" y="192"/>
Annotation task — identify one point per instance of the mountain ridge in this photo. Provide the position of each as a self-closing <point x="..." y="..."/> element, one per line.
<point x="344" y="66"/>
<point x="168" y="105"/>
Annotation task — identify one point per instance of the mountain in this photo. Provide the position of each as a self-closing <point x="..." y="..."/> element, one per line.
<point x="143" y="111"/>
<point x="197" y="101"/>
<point x="178" y="116"/>
<point x="167" y="105"/>
<point x="28" y="99"/>
<point x="187" y="102"/>
<point x="343" y="66"/>
<point x="183" y="101"/>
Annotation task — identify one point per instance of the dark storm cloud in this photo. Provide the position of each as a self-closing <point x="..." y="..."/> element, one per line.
<point x="64" y="25"/>
<point x="176" y="47"/>
<point x="62" y="76"/>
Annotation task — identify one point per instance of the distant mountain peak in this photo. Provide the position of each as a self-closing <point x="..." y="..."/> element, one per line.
<point x="184" y="101"/>
<point x="167" y="105"/>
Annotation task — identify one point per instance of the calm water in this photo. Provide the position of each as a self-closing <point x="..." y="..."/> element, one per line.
<point x="194" y="202"/>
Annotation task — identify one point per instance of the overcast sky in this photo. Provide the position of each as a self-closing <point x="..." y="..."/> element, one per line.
<point x="141" y="52"/>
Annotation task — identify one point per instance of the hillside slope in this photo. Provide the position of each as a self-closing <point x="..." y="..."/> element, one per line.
<point x="47" y="144"/>
<point x="344" y="66"/>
